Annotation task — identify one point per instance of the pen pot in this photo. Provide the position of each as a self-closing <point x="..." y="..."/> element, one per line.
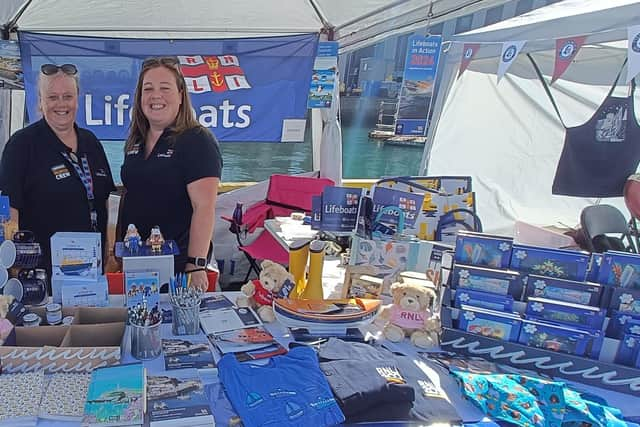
<point x="146" y="343"/>
<point x="186" y="318"/>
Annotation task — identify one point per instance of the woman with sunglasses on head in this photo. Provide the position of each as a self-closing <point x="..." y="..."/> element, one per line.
<point x="56" y="174"/>
<point x="172" y="168"/>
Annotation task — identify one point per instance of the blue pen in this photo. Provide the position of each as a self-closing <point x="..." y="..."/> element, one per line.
<point x="184" y="281"/>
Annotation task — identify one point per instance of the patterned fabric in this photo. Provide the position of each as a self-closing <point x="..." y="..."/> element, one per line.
<point x="20" y="395"/>
<point x="527" y="401"/>
<point x="65" y="396"/>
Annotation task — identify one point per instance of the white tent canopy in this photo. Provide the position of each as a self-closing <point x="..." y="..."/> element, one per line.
<point x="354" y="23"/>
<point x="507" y="135"/>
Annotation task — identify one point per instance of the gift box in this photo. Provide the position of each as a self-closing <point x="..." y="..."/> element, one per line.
<point x="594" y="267"/>
<point x="621" y="323"/>
<point x="620" y="269"/>
<point x="565" y="313"/>
<point x="559" y="263"/>
<point x="584" y="293"/>
<point x="483" y="249"/>
<point x="628" y="350"/>
<point x="587" y="343"/>
<point x="481" y="299"/>
<point x="76" y="256"/>
<point x="489" y="323"/>
<point x="625" y="300"/>
<point x="502" y="282"/>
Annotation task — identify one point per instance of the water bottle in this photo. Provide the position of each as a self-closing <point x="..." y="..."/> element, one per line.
<point x="237" y="218"/>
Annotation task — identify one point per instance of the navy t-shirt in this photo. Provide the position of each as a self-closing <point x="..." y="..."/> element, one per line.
<point x="45" y="188"/>
<point x="156" y="187"/>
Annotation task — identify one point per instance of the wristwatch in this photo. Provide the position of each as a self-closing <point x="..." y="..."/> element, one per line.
<point x="197" y="261"/>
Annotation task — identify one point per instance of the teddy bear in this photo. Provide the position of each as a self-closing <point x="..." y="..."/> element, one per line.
<point x="274" y="282"/>
<point x="410" y="315"/>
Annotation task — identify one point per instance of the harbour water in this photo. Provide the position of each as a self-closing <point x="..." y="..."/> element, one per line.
<point x="362" y="157"/>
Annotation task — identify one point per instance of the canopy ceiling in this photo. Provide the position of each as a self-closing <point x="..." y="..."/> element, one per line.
<point x="355" y="23"/>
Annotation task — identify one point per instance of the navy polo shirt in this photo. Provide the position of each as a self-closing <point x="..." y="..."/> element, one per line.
<point x="157" y="186"/>
<point x="45" y="188"/>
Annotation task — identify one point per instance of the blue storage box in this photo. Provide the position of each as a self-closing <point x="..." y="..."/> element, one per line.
<point x="484" y="300"/>
<point x="584" y="293"/>
<point x="628" y="350"/>
<point x="483" y="249"/>
<point x="575" y="315"/>
<point x="587" y="343"/>
<point x="563" y="264"/>
<point x="625" y="300"/>
<point x="502" y="282"/>
<point x="489" y="323"/>
<point x="620" y="269"/>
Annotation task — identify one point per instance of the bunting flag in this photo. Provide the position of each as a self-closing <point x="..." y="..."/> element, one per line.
<point x="510" y="51"/>
<point x="633" y="52"/>
<point x="566" y="51"/>
<point x="469" y="50"/>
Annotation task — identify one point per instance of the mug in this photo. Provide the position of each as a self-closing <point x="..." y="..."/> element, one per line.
<point x="34" y="286"/>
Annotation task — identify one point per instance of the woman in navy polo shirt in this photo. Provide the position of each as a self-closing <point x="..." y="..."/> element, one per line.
<point x="171" y="169"/>
<point x="56" y="174"/>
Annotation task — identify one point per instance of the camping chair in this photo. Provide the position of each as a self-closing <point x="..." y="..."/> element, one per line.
<point x="598" y="221"/>
<point x="285" y="194"/>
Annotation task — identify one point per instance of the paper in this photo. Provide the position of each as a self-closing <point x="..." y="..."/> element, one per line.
<point x="293" y="130"/>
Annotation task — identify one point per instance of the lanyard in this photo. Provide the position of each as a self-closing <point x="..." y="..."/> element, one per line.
<point x="84" y="173"/>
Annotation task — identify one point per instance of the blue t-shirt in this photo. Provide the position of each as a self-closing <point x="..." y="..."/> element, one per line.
<point x="290" y="390"/>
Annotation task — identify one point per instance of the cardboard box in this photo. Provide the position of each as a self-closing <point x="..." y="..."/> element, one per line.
<point x="94" y="340"/>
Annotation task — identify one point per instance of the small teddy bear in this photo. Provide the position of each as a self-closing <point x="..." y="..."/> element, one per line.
<point x="410" y="315"/>
<point x="274" y="282"/>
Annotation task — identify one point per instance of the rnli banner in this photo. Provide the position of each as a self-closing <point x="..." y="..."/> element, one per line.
<point x="244" y="90"/>
<point x="417" y="84"/>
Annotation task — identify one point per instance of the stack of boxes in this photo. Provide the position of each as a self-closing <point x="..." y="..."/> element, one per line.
<point x="76" y="270"/>
<point x="535" y="296"/>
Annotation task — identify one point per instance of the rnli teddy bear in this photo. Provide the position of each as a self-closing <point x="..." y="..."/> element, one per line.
<point x="274" y="282"/>
<point x="410" y="315"/>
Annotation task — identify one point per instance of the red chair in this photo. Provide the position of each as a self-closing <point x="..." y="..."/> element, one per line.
<point x="285" y="194"/>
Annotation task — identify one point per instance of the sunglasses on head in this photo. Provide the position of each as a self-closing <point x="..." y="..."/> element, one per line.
<point x="162" y="60"/>
<point x="51" y="69"/>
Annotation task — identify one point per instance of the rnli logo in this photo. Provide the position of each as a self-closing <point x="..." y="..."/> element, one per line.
<point x="568" y="50"/>
<point x="468" y="53"/>
<point x="101" y="172"/>
<point x="134" y="150"/>
<point x="635" y="44"/>
<point x="60" y="172"/>
<point x="509" y="54"/>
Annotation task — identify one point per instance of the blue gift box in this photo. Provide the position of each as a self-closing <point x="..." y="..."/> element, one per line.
<point x="618" y="323"/>
<point x="483" y="249"/>
<point x="560" y="263"/>
<point x="594" y="267"/>
<point x="625" y="300"/>
<point x="503" y="282"/>
<point x="489" y="323"/>
<point x="587" y="343"/>
<point x="565" y="313"/>
<point x="484" y="300"/>
<point x="628" y="350"/>
<point x="562" y="290"/>
<point x="620" y="269"/>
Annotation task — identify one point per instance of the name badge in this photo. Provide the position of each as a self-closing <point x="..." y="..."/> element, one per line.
<point x="60" y="172"/>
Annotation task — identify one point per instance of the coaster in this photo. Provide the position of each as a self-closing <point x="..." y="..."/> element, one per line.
<point x="13" y="287"/>
<point x="7" y="253"/>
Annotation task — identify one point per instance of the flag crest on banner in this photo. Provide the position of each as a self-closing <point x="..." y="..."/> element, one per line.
<point x="633" y="52"/>
<point x="469" y="51"/>
<point x="213" y="73"/>
<point x="510" y="51"/>
<point x="566" y="51"/>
